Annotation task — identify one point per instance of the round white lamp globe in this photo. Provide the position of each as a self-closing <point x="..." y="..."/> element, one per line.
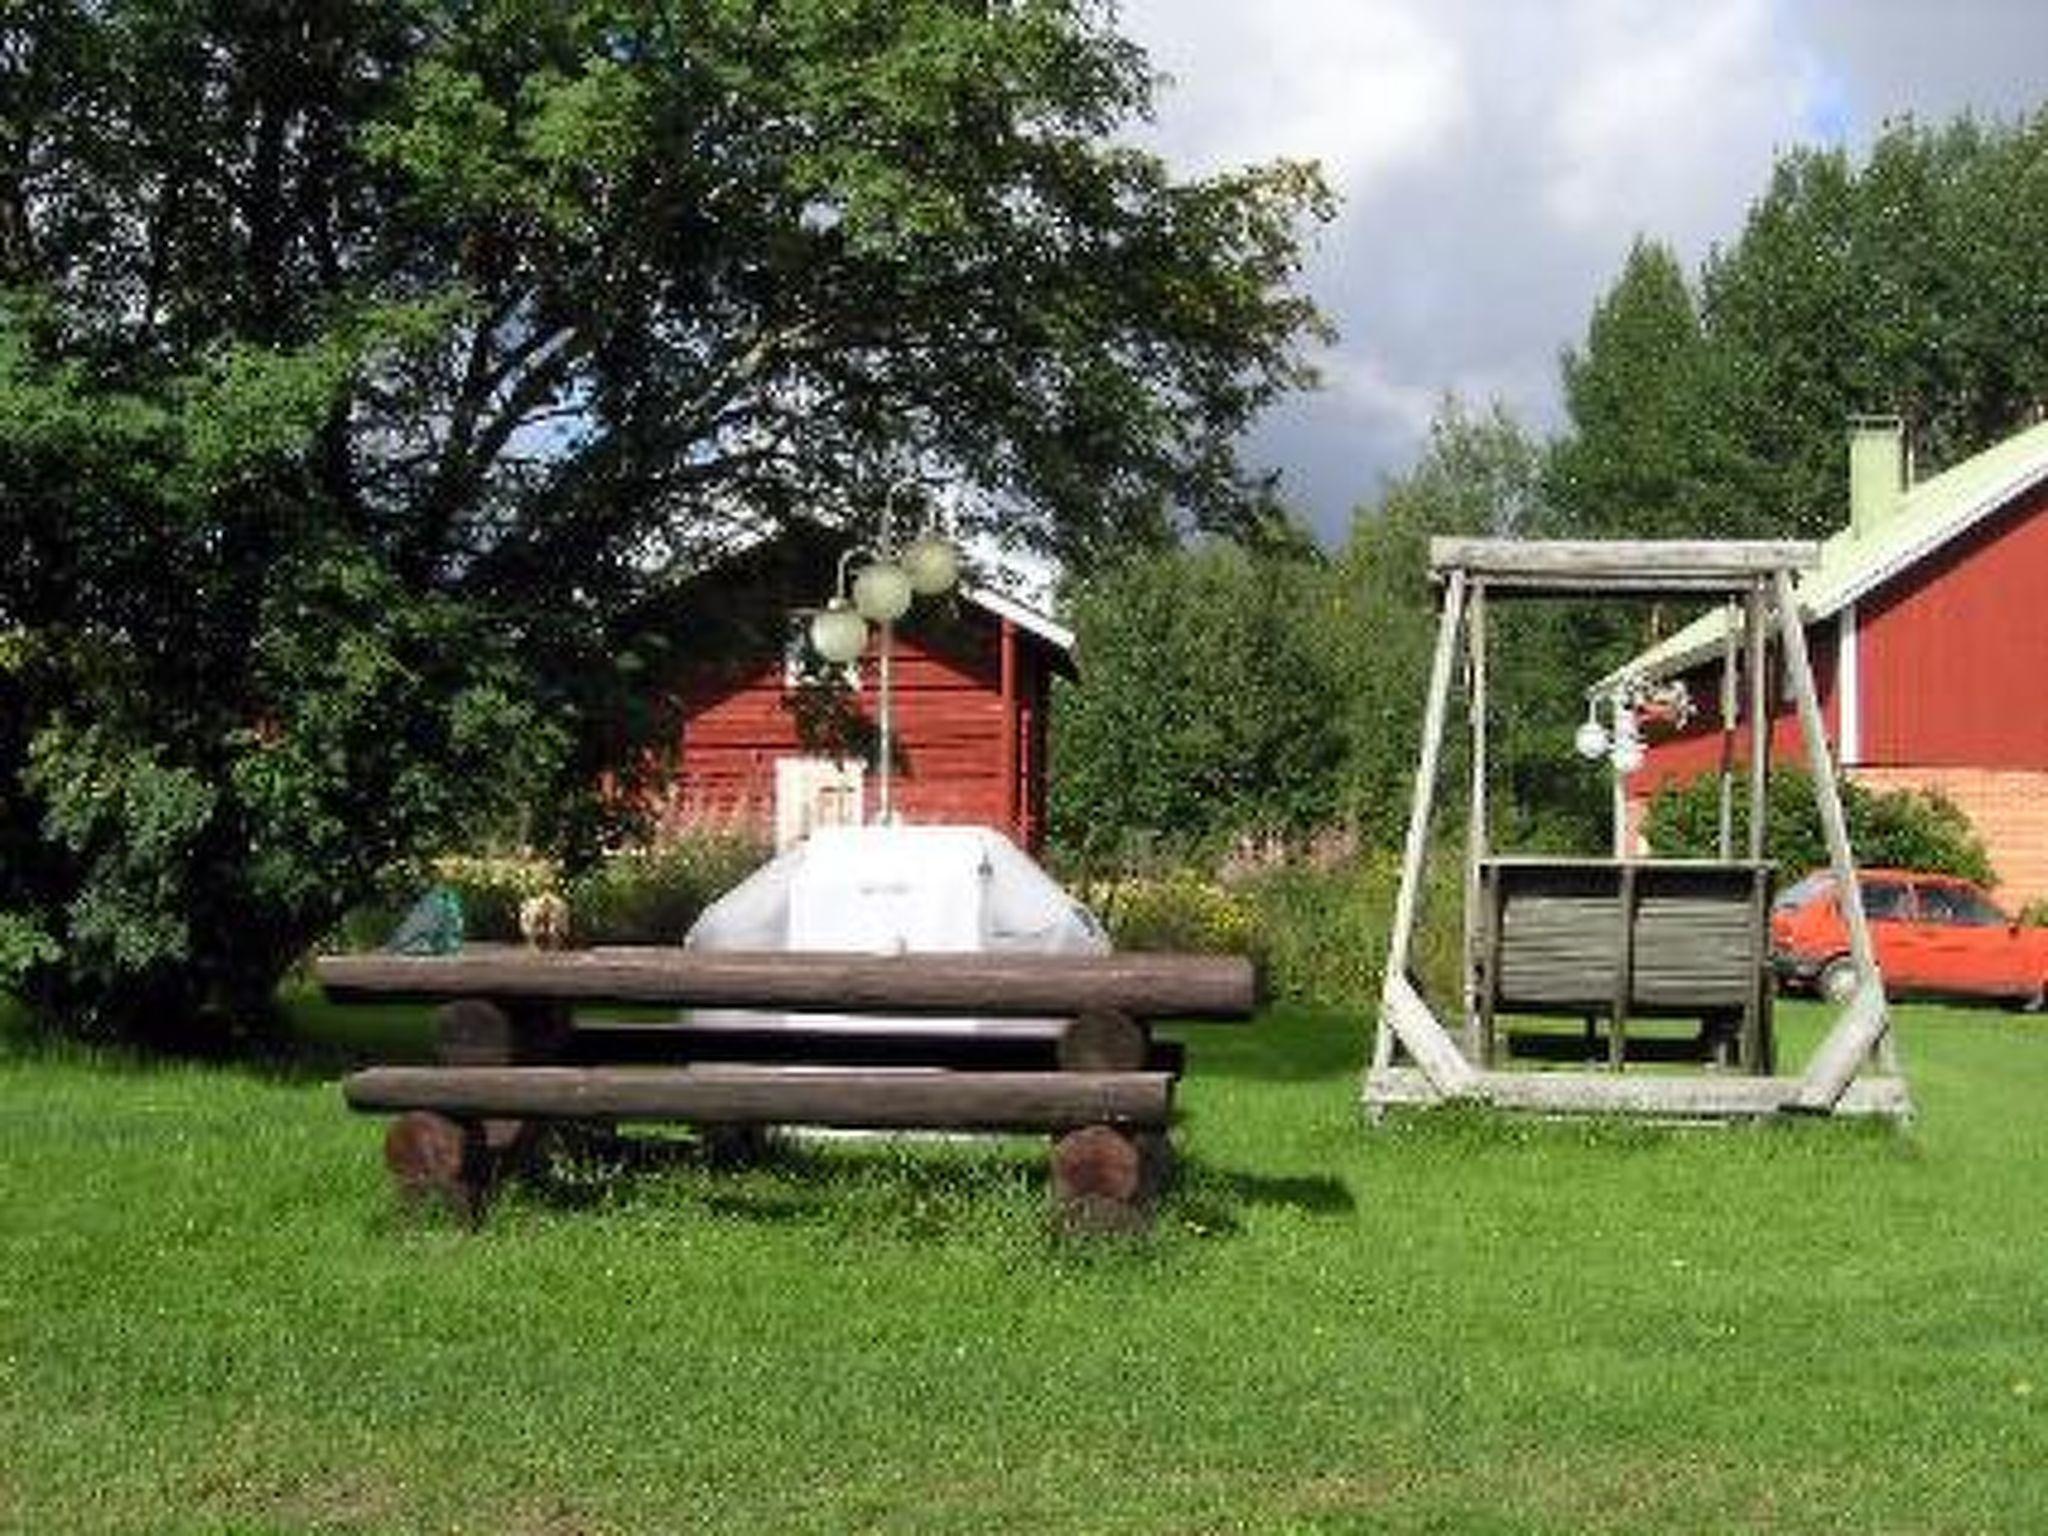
<point x="838" y="633"/>
<point x="932" y="563"/>
<point x="881" y="591"/>
<point x="1590" y="741"/>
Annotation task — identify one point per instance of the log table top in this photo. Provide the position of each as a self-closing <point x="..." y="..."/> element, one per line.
<point x="1217" y="987"/>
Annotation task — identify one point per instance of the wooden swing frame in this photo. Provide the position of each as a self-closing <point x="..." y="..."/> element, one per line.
<point x="1755" y="580"/>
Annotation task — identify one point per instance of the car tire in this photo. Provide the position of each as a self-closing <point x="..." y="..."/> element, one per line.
<point x="1837" y="980"/>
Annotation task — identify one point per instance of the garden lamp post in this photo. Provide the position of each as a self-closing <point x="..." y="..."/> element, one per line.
<point x="881" y="593"/>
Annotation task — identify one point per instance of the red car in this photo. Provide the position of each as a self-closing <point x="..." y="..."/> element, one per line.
<point x="1936" y="936"/>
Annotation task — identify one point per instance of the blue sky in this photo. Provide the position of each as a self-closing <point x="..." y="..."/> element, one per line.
<point x="1497" y="157"/>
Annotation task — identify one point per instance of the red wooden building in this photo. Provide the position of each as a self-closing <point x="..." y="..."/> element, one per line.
<point x="972" y="681"/>
<point x="1928" y="624"/>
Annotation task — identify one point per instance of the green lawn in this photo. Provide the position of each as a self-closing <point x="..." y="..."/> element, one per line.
<point x="212" y="1318"/>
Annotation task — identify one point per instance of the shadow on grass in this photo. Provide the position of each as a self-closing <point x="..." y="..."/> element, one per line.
<point x="23" y="1041"/>
<point x="1215" y="1201"/>
<point x="315" y="1040"/>
<point x="777" y="1178"/>
<point x="1314" y="1196"/>
<point x="881" y="1187"/>
<point x="307" y="1040"/>
<point x="884" y="1185"/>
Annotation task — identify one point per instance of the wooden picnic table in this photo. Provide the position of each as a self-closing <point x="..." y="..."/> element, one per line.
<point x="513" y="1055"/>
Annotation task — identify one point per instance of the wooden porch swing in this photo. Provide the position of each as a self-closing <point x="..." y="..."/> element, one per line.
<point x="1626" y="938"/>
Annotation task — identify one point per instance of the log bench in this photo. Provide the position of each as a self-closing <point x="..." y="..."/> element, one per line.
<point x="513" y="1056"/>
<point x="1051" y="1047"/>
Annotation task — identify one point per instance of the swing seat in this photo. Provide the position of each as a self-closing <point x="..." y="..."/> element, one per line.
<point x="1616" y="939"/>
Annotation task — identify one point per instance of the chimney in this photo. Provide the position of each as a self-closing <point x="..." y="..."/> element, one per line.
<point x="1878" y="471"/>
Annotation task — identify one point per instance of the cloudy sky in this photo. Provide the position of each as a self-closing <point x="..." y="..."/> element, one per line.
<point x="1496" y="157"/>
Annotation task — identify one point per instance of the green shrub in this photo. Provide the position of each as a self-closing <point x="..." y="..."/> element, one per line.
<point x="365" y="927"/>
<point x="491" y="887"/>
<point x="646" y="896"/>
<point x="1210" y="707"/>
<point x="1902" y="829"/>
<point x="1319" y="932"/>
<point x="1325" y="931"/>
<point x="652" y="896"/>
<point x="1178" y="910"/>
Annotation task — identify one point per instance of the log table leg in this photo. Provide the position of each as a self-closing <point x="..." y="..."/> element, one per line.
<point x="1100" y="1181"/>
<point x="435" y="1158"/>
<point x="734" y="1146"/>
<point x="1104" y="1040"/>
<point x="486" y="1032"/>
<point x="479" y="1032"/>
<point x="1105" y="1179"/>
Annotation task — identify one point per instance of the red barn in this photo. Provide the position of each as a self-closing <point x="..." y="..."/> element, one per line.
<point x="972" y="680"/>
<point x="1928" y="624"/>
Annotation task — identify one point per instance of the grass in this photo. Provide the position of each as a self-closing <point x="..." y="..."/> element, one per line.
<point x="213" y="1318"/>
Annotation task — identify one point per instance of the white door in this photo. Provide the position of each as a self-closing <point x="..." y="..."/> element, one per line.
<point x="813" y="792"/>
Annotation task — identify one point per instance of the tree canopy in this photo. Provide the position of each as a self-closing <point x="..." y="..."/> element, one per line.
<point x="1479" y="476"/>
<point x="1261" y="691"/>
<point x="1912" y="283"/>
<point x="374" y="372"/>
<point x="1648" y="455"/>
<point x="1207" y="710"/>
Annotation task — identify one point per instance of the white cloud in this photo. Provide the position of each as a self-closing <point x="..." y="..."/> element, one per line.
<point x="1496" y="157"/>
<point x="1667" y="116"/>
<point x="1363" y="389"/>
<point x="1363" y="87"/>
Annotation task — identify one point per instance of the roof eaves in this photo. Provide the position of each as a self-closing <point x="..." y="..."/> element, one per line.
<point x="1676" y="652"/>
<point x="1933" y="512"/>
<point x="1025" y="617"/>
<point x="1917" y="533"/>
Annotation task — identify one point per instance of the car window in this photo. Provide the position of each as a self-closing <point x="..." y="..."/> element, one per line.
<point x="1937" y="904"/>
<point x="1800" y="892"/>
<point x="1959" y="906"/>
<point x="1888" y="900"/>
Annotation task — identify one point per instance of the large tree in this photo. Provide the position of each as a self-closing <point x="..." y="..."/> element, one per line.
<point x="1913" y="282"/>
<point x="1208" y="710"/>
<point x="1647" y="456"/>
<point x="1481" y="474"/>
<point x="372" y="372"/>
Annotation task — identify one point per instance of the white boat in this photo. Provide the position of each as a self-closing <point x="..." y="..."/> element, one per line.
<point x="895" y="890"/>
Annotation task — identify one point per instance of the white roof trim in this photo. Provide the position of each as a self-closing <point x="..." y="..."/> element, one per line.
<point x="1848" y="579"/>
<point x="752" y="532"/>
<point x="1024" y="617"/>
<point x="1869" y="577"/>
